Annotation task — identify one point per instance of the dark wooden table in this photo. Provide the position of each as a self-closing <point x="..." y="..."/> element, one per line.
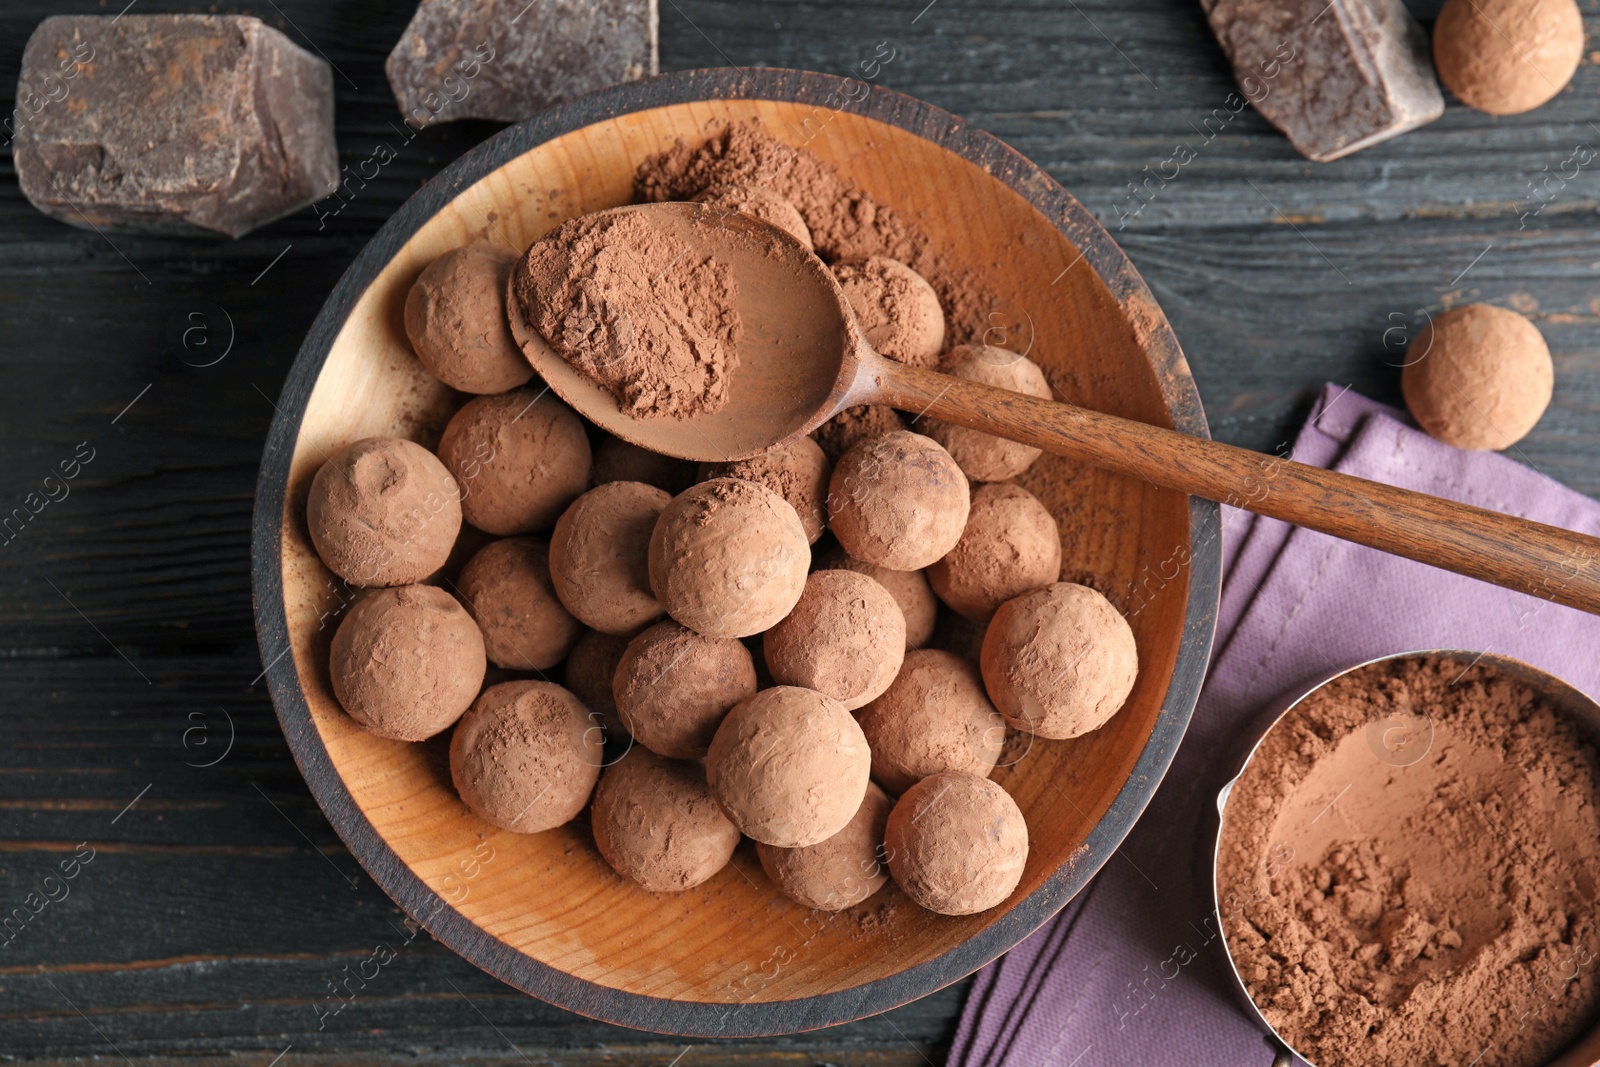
<point x="218" y="905"/>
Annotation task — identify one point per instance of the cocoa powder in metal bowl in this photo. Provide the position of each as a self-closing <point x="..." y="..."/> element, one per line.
<point x="1408" y="870"/>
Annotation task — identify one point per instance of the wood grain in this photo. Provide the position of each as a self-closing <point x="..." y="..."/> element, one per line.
<point x="1249" y="285"/>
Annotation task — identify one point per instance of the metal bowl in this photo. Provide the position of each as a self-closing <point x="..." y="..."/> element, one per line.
<point x="1406" y="741"/>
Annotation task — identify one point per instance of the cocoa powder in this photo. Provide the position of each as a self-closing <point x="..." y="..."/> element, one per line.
<point x="630" y="307"/>
<point x="855" y="424"/>
<point x="1429" y="902"/>
<point x="796" y="469"/>
<point x="845" y="222"/>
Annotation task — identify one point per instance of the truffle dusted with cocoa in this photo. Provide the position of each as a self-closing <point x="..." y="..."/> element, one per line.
<point x="657" y="824"/>
<point x="983" y="457"/>
<point x="796" y="470"/>
<point x="845" y="637"/>
<point x="756" y="202"/>
<point x="520" y="458"/>
<point x="456" y="320"/>
<point x="383" y="511"/>
<point x="616" y="460"/>
<point x="934" y="718"/>
<point x="590" y="668"/>
<point x="508" y="589"/>
<point x="840" y="872"/>
<point x="599" y="556"/>
<point x="1011" y="545"/>
<point x="839" y="433"/>
<point x="406" y="662"/>
<point x="897" y="309"/>
<point x="1507" y="56"/>
<point x="673" y="687"/>
<point x="1060" y="661"/>
<point x="957" y="844"/>
<point x="728" y="558"/>
<point x="918" y="606"/>
<point x="526" y="756"/>
<point x="898" y="501"/>
<point x="789" y="766"/>
<point x="1478" y="377"/>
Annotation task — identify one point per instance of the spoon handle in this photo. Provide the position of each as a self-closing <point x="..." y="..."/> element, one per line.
<point x="1530" y="557"/>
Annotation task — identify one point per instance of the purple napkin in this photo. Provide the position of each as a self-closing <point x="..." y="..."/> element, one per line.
<point x="1133" y="969"/>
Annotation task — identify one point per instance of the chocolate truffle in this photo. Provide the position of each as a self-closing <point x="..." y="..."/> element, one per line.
<point x="898" y="501"/>
<point x="383" y="511"/>
<point x="657" y="825"/>
<point x="1011" y="545"/>
<point x="673" y="687"/>
<point x="600" y="556"/>
<point x="1478" y="377"/>
<point x="789" y="766"/>
<point x="796" y="470"/>
<point x="508" y="589"/>
<point x="845" y="637"/>
<point x="1059" y="661"/>
<point x="983" y="456"/>
<point x="769" y="207"/>
<point x="840" y="872"/>
<point x="897" y="309"/>
<point x="957" y="844"/>
<point x="406" y="662"/>
<point x="934" y="718"/>
<point x="1507" y="56"/>
<point x="456" y="319"/>
<point x="520" y="458"/>
<point x="590" y="668"/>
<point x="728" y="558"/>
<point x="855" y="424"/>
<point x="918" y="606"/>
<point x="526" y="756"/>
<point x="616" y="460"/>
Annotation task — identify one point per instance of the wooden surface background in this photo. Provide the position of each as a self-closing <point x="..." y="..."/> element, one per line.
<point x="219" y="908"/>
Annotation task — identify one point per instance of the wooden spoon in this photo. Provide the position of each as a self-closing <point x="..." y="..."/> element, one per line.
<point x="802" y="360"/>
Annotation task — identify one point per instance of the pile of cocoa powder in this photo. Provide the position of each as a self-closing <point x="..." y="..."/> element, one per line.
<point x="628" y="306"/>
<point x="845" y="222"/>
<point x="1409" y="869"/>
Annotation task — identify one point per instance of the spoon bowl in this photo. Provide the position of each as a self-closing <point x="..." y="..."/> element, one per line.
<point x="797" y="356"/>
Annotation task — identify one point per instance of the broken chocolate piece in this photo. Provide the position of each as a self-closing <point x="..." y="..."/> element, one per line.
<point x="172" y="124"/>
<point x="509" y="59"/>
<point x="1335" y="76"/>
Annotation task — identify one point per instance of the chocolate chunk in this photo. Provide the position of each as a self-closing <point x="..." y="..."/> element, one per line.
<point x="172" y="124"/>
<point x="1335" y="77"/>
<point x="509" y="59"/>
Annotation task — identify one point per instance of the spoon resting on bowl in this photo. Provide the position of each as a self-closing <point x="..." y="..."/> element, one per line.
<point x="802" y="360"/>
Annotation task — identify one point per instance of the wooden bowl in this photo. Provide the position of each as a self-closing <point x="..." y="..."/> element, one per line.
<point x="543" y="912"/>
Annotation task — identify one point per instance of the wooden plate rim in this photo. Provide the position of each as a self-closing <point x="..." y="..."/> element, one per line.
<point x="692" y="1018"/>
